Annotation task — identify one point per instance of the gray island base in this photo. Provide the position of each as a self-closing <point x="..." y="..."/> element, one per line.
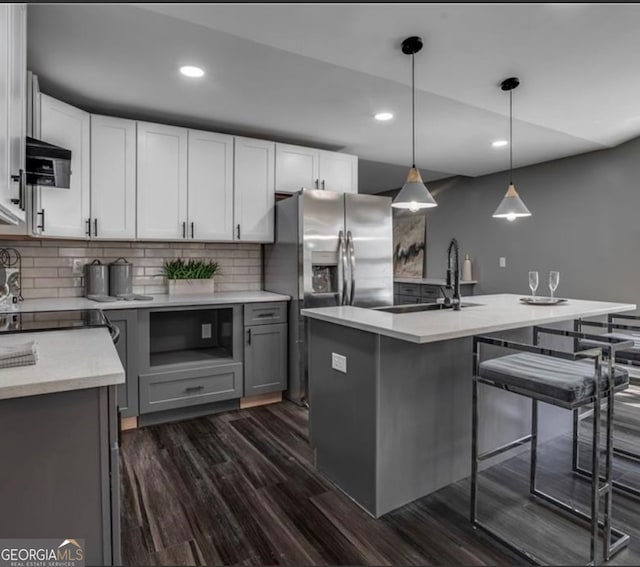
<point x="396" y="425"/>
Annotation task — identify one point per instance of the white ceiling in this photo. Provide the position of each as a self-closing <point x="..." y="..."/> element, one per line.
<point x="316" y="73"/>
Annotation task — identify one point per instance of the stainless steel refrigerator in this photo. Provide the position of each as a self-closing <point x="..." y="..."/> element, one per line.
<point x="330" y="249"/>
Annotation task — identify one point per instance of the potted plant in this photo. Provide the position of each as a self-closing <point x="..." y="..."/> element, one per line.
<point x="191" y="277"/>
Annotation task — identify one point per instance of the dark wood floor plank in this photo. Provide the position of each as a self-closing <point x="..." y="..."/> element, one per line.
<point x="374" y="539"/>
<point x="278" y="454"/>
<point x="291" y="500"/>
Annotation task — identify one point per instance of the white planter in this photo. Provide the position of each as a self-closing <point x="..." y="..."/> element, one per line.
<point x="191" y="287"/>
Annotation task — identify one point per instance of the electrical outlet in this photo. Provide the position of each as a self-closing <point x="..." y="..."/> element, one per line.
<point x="206" y="330"/>
<point x="503" y="262"/>
<point x="339" y="362"/>
<point x="77" y="266"/>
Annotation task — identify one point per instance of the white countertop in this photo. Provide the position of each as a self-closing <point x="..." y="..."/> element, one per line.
<point x="67" y="360"/>
<point x="74" y="303"/>
<point x="430" y="281"/>
<point x="493" y="313"/>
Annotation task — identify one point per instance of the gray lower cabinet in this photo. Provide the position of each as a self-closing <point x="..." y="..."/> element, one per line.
<point x="126" y="346"/>
<point x="405" y="294"/>
<point x="59" y="476"/>
<point x="183" y="388"/>
<point x="265" y="359"/>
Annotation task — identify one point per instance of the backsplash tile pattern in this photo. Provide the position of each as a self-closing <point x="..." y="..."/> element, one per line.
<point x="47" y="265"/>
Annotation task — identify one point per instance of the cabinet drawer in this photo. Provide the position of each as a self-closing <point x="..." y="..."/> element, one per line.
<point x="406" y="299"/>
<point x="430" y="293"/>
<point x="171" y="390"/>
<point x="407" y="289"/>
<point x="265" y="313"/>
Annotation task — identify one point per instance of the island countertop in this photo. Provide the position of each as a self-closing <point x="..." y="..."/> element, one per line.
<point x="486" y="314"/>
<point x="72" y="359"/>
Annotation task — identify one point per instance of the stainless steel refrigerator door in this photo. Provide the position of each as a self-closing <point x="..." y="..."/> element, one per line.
<point x="321" y="222"/>
<point x="369" y="230"/>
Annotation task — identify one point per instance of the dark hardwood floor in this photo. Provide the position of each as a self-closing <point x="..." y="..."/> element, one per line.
<point x="239" y="488"/>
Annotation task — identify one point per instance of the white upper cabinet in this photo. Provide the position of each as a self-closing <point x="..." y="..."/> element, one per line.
<point x="296" y="168"/>
<point x="338" y="172"/>
<point x="64" y="212"/>
<point x="254" y="195"/>
<point x="300" y="167"/>
<point x="13" y="112"/>
<point x="210" y="181"/>
<point x="113" y="178"/>
<point x="162" y="182"/>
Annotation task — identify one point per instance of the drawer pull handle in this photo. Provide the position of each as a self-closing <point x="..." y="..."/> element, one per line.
<point x="272" y="314"/>
<point x="193" y="389"/>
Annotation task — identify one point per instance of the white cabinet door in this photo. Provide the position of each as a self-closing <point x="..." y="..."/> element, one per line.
<point x="18" y="103"/>
<point x="296" y="168"/>
<point x="254" y="190"/>
<point x="66" y="210"/>
<point x="338" y="172"/>
<point x="210" y="196"/>
<point x="113" y="178"/>
<point x="162" y="181"/>
<point x="13" y="68"/>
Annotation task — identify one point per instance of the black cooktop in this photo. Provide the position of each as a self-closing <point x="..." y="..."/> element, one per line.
<point x="30" y="321"/>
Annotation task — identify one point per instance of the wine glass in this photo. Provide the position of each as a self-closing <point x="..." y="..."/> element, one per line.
<point x="554" y="280"/>
<point x="533" y="283"/>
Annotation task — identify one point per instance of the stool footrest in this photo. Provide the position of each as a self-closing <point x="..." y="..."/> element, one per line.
<point x="620" y="535"/>
<point x="617" y="485"/>
<point x="506" y="447"/>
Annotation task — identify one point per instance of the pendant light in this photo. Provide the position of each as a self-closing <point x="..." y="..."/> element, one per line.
<point x="414" y="195"/>
<point x="511" y="207"/>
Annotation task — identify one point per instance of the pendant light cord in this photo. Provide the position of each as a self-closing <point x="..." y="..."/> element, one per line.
<point x="511" y="137"/>
<point x="413" y="106"/>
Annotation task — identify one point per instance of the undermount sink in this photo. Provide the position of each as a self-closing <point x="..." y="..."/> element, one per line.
<point x="415" y="307"/>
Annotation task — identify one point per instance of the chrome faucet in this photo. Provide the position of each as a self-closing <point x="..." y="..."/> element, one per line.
<point x="454" y="266"/>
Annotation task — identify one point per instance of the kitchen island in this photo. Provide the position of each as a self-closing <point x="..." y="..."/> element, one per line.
<point x="390" y="415"/>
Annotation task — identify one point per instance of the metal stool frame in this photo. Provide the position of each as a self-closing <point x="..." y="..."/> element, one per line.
<point x="597" y="490"/>
<point x="611" y="326"/>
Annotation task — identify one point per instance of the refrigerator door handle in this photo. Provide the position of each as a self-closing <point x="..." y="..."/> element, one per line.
<point x="342" y="269"/>
<point x="352" y="266"/>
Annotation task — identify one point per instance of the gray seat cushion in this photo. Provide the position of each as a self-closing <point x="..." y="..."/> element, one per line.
<point x="566" y="381"/>
<point x="621" y="355"/>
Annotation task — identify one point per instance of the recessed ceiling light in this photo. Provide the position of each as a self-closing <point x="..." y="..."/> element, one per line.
<point x="382" y="116"/>
<point x="191" y="71"/>
<point x="500" y="143"/>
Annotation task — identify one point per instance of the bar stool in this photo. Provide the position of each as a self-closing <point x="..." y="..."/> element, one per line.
<point x="565" y="379"/>
<point x="628" y="357"/>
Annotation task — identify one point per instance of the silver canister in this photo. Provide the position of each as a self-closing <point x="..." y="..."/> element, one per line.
<point x="120" y="278"/>
<point x="96" y="278"/>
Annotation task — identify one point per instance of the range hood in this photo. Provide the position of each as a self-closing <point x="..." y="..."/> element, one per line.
<point x="48" y="165"/>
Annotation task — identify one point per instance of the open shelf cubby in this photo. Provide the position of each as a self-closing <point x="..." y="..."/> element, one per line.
<point x="191" y="336"/>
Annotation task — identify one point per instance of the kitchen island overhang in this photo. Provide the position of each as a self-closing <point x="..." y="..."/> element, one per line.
<point x="396" y="425"/>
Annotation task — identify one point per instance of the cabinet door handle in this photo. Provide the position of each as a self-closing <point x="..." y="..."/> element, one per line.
<point x="41" y="226"/>
<point x="193" y="389"/>
<point x="95" y="227"/>
<point x="248" y="336"/>
<point x="192" y="231"/>
<point x="323" y="184"/>
<point x="19" y="179"/>
<point x="88" y="230"/>
<point x="238" y="232"/>
<point x="184" y="230"/>
<point x="23" y="190"/>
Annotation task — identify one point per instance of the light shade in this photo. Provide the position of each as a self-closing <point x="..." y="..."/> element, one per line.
<point x="414" y="195"/>
<point x="511" y="207"/>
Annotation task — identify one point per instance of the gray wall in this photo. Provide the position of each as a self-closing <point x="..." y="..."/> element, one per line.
<point x="584" y="223"/>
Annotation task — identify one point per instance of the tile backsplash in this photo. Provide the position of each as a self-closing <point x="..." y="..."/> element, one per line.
<point x="47" y="265"/>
